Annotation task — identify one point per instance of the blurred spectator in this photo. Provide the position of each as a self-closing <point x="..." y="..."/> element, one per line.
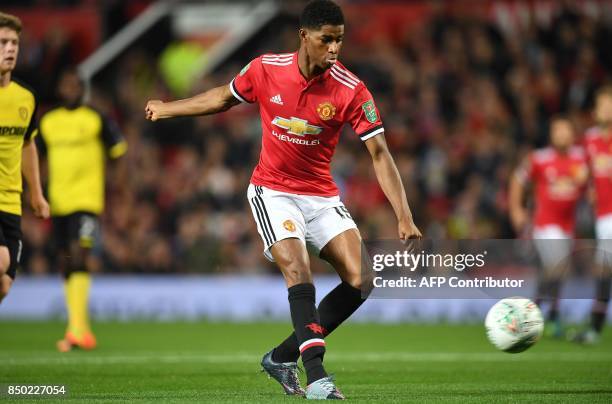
<point x="462" y="99"/>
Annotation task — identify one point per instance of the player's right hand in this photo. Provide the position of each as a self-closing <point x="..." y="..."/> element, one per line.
<point x="152" y="110"/>
<point x="40" y="206"/>
<point x="407" y="230"/>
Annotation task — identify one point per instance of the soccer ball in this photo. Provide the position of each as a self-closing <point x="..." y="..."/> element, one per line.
<point x="514" y="324"/>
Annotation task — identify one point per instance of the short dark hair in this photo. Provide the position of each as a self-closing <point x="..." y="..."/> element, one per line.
<point x="321" y="12"/>
<point x="10" y="21"/>
<point x="72" y="70"/>
<point x="560" y="117"/>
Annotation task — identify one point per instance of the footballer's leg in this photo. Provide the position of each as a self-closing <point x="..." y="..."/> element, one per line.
<point x="344" y="253"/>
<point x="81" y="233"/>
<point x="334" y="233"/>
<point x="5" y="285"/>
<point x="553" y="245"/>
<point x="292" y="259"/>
<point x="599" y="309"/>
<point x="603" y="281"/>
<point x="5" y="279"/>
<point x="282" y="228"/>
<point x="10" y="251"/>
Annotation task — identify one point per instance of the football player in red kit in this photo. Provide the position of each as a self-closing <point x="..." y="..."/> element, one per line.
<point x="559" y="175"/>
<point x="304" y="99"/>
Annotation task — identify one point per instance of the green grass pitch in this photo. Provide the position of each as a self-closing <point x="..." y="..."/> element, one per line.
<point x="219" y="362"/>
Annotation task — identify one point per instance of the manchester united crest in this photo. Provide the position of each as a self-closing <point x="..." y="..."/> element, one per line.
<point x="289" y="226"/>
<point x="326" y="111"/>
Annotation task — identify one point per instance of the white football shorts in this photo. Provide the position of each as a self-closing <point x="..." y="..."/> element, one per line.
<point x="313" y="219"/>
<point x="603" y="232"/>
<point x="554" y="246"/>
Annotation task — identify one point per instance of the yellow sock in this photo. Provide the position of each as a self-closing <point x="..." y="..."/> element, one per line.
<point x="69" y="305"/>
<point x="77" y="302"/>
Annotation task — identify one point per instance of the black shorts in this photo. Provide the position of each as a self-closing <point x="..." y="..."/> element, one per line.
<point x="81" y="227"/>
<point x="10" y="236"/>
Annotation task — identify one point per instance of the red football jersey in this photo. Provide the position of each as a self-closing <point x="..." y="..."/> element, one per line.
<point x="599" y="154"/>
<point x="559" y="182"/>
<point x="301" y="120"/>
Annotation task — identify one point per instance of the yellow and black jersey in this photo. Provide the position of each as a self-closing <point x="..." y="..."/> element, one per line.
<point x="77" y="142"/>
<point x="17" y="124"/>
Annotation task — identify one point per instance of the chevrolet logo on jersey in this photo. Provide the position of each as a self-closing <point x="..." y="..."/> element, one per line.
<point x="297" y="126"/>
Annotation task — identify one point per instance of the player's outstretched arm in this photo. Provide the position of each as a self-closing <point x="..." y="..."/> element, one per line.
<point x="215" y="100"/>
<point x="391" y="184"/>
<point x="31" y="172"/>
<point x="518" y="214"/>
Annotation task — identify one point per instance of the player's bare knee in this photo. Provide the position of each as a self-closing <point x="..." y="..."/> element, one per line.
<point x="295" y="269"/>
<point x="5" y="285"/>
<point x="5" y="260"/>
<point x="297" y="273"/>
<point x="354" y="279"/>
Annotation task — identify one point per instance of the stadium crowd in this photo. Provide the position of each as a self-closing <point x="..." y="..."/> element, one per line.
<point x="461" y="98"/>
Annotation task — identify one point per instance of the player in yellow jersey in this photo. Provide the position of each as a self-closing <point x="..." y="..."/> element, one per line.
<point x="77" y="140"/>
<point x="17" y="129"/>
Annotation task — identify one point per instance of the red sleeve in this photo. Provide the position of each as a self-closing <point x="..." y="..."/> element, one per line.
<point x="363" y="115"/>
<point x="244" y="85"/>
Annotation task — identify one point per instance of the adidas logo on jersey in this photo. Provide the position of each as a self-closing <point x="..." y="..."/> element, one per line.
<point x="276" y="99"/>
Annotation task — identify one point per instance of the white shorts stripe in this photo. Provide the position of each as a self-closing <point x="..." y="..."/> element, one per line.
<point x="19" y="251"/>
<point x="264" y="219"/>
<point x="312" y="342"/>
<point x="260" y="222"/>
<point x="266" y="216"/>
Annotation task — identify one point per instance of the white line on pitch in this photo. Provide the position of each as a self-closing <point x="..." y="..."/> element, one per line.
<point x="242" y="358"/>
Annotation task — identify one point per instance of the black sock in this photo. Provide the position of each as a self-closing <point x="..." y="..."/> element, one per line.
<point x="336" y="307"/>
<point x="541" y="292"/>
<point x="600" y="306"/>
<point x="307" y="327"/>
<point x="553" y="314"/>
<point x="598" y="319"/>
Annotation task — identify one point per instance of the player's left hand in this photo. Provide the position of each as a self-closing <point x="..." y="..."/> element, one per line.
<point x="40" y="206"/>
<point x="407" y="230"/>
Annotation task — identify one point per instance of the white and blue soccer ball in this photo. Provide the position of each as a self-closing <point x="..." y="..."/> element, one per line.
<point x="514" y="324"/>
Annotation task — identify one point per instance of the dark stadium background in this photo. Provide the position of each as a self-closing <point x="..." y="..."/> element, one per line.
<point x="465" y="89"/>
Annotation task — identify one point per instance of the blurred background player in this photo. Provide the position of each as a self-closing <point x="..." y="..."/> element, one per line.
<point x="305" y="98"/>
<point x="559" y="174"/>
<point x="77" y="140"/>
<point x="17" y="128"/>
<point x="598" y="146"/>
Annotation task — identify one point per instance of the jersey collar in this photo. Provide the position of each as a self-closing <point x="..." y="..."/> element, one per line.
<point x="301" y="80"/>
